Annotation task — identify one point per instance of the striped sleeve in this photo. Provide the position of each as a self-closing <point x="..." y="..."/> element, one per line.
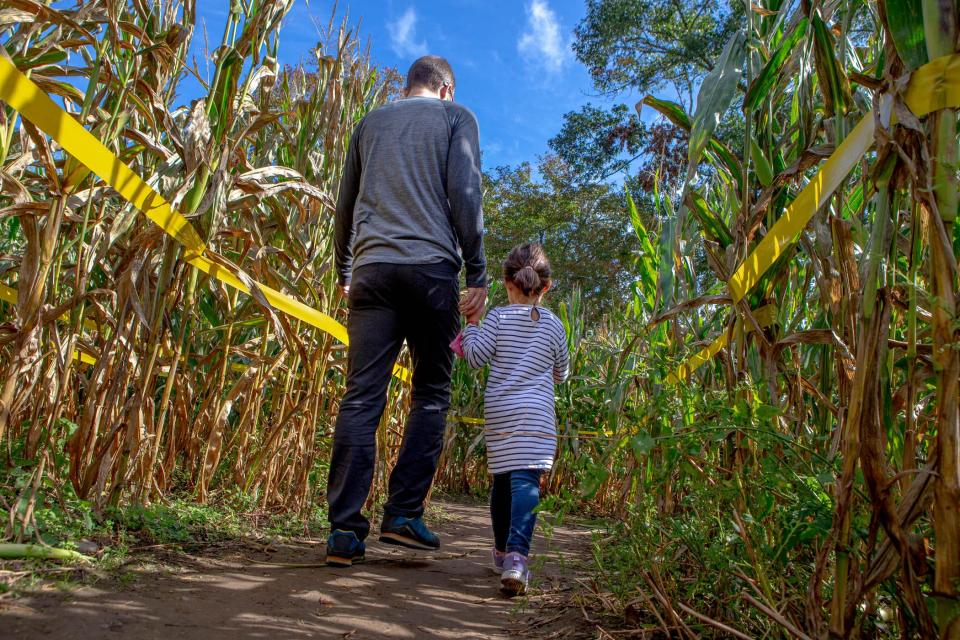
<point x="480" y="343"/>
<point x="561" y="365"/>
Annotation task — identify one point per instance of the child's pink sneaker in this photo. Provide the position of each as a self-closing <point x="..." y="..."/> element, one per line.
<point x="515" y="576"/>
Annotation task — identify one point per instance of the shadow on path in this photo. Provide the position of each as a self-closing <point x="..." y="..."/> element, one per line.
<point x="248" y="594"/>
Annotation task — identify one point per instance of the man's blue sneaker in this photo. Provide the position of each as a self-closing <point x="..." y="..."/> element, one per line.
<point x="344" y="549"/>
<point x="408" y="532"/>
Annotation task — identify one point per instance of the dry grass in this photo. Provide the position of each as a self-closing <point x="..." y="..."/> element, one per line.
<point x="194" y="386"/>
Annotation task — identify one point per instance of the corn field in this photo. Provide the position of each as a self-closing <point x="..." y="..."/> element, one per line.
<point x="806" y="478"/>
<point x="185" y="384"/>
<point x="803" y="482"/>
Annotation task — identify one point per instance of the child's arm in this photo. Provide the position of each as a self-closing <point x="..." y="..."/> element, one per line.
<point x="561" y="365"/>
<point x="480" y="343"/>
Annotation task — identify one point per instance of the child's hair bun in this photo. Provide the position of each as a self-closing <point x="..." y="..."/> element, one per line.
<point x="527" y="280"/>
<point x="528" y="268"/>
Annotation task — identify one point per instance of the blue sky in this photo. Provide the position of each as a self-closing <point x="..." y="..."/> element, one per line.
<point x="512" y="58"/>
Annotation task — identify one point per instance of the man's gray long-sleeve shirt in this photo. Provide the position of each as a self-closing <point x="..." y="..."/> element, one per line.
<point x="411" y="189"/>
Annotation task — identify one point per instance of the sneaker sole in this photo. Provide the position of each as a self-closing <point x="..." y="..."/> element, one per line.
<point x="403" y="541"/>
<point x="511" y="587"/>
<point x="343" y="563"/>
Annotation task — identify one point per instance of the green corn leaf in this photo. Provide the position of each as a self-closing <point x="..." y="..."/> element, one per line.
<point x="853" y="204"/>
<point x="713" y="227"/>
<point x="768" y="76"/>
<point x="26" y="62"/>
<point x="833" y="81"/>
<point x="671" y="110"/>
<point x="675" y="114"/>
<point x="716" y="93"/>
<point x="667" y="262"/>
<point x="905" y="21"/>
<point x="227" y="76"/>
<point x="647" y="255"/>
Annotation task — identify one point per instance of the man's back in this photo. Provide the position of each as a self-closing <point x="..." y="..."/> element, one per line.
<point x="411" y="189"/>
<point x="411" y="193"/>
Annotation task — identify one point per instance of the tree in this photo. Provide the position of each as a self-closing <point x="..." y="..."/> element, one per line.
<point x="646" y="45"/>
<point x="597" y="144"/>
<point x="594" y="142"/>
<point x="583" y="227"/>
<point x="640" y="47"/>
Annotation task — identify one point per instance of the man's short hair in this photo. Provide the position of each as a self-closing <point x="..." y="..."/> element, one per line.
<point x="431" y="72"/>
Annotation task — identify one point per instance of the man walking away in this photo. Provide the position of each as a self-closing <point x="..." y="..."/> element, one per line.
<point x="409" y="206"/>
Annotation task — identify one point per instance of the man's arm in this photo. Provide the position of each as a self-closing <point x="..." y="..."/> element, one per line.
<point x="343" y="221"/>
<point x="466" y="197"/>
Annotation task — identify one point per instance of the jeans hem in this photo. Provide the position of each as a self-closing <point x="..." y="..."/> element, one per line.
<point x="393" y="512"/>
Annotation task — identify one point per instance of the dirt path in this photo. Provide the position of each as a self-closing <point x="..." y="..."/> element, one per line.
<point x="245" y="593"/>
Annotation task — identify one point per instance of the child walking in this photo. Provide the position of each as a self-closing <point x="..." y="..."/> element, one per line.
<point x="526" y="347"/>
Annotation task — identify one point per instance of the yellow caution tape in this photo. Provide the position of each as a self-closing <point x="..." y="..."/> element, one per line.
<point x="23" y="95"/>
<point x="7" y="294"/>
<point x="765" y="316"/>
<point x="934" y="86"/>
<point x="84" y="357"/>
<point x="704" y="355"/>
<point x="10" y="295"/>
<point x="796" y="216"/>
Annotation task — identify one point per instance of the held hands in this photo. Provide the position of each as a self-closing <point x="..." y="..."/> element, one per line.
<point x="472" y="304"/>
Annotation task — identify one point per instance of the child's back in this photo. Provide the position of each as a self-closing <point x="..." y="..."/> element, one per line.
<point x="526" y="347"/>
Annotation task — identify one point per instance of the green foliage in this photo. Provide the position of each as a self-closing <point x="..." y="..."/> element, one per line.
<point x="696" y="525"/>
<point x="596" y="143"/>
<point x="582" y="227"/>
<point x="771" y="72"/>
<point x="715" y="149"/>
<point x="64" y="520"/>
<point x="643" y="46"/>
<point x="905" y="21"/>
<point x="836" y="87"/>
<point x="716" y="93"/>
<point x="647" y="45"/>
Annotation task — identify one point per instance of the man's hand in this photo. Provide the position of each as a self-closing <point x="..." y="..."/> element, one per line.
<point x="472" y="304"/>
<point x="344" y="290"/>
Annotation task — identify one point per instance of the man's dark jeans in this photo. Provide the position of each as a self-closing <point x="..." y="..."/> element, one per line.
<point x="390" y="303"/>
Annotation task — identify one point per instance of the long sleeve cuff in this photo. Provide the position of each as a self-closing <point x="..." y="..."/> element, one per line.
<point x="477" y="280"/>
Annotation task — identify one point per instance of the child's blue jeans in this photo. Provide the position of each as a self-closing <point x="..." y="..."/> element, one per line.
<point x="514" y="496"/>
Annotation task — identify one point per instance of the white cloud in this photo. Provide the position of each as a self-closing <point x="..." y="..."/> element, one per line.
<point x="542" y="42"/>
<point x="493" y="148"/>
<point x="403" y="36"/>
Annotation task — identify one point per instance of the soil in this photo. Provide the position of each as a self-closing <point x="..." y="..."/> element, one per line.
<point x="251" y="590"/>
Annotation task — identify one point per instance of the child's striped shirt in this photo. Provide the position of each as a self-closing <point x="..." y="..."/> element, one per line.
<point x="527" y="357"/>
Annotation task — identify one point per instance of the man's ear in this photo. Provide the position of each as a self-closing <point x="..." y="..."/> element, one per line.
<point x="446" y="92"/>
